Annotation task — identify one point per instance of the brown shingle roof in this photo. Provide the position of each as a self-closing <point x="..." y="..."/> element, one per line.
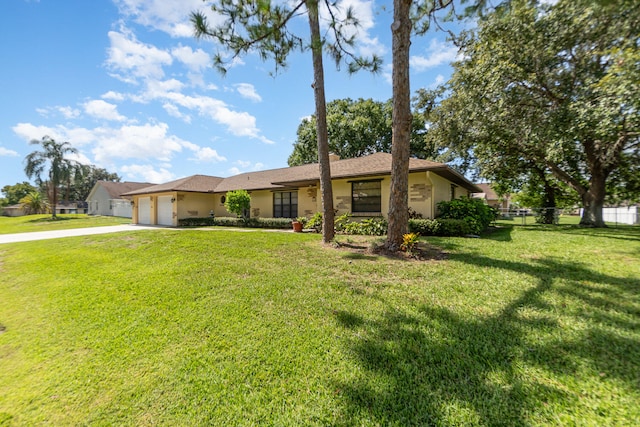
<point x="488" y="191"/>
<point x="372" y="165"/>
<point x="194" y="183"/>
<point x="117" y="189"/>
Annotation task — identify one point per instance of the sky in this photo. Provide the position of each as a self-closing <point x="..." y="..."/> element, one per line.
<point x="126" y="83"/>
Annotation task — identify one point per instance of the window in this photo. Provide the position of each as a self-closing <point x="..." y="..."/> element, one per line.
<point x="285" y="204"/>
<point x="366" y="196"/>
<point x="453" y="191"/>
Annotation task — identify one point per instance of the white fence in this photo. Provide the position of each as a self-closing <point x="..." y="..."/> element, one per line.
<point x="621" y="215"/>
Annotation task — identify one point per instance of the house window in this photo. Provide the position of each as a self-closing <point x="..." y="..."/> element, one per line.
<point x="285" y="204"/>
<point x="366" y="196"/>
<point x="453" y="191"/>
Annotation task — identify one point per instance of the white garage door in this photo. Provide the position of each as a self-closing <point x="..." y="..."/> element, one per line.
<point x="144" y="210"/>
<point x="165" y="210"/>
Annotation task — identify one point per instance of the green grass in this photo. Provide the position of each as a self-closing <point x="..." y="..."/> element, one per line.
<point x="29" y="223"/>
<point x="528" y="325"/>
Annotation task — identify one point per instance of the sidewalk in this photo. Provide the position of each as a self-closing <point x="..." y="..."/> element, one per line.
<point x="56" y="234"/>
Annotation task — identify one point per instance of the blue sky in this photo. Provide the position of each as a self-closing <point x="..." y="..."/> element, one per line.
<point x="125" y="83"/>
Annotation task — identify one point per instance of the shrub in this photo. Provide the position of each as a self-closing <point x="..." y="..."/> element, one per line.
<point x="367" y="227"/>
<point x="425" y="227"/>
<point x="474" y="211"/>
<point x="238" y="202"/>
<point x="196" y="222"/>
<point x="453" y="227"/>
<point x="315" y="222"/>
<point x="409" y="242"/>
<point x="341" y="222"/>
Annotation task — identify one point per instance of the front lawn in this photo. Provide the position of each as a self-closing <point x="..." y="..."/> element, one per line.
<point x="525" y="326"/>
<point x="29" y="223"/>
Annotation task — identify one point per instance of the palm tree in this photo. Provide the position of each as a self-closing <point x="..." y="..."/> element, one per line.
<point x="34" y="203"/>
<point x="52" y="157"/>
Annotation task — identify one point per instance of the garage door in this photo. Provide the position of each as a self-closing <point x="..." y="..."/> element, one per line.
<point x="165" y="210"/>
<point x="144" y="210"/>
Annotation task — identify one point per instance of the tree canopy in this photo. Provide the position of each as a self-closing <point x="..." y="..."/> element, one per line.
<point x="357" y="128"/>
<point x="552" y="89"/>
<point x="14" y="193"/>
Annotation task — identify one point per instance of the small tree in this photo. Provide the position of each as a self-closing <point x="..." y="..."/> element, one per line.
<point x="34" y="203"/>
<point x="238" y="202"/>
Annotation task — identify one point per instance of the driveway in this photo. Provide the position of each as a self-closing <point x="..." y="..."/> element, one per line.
<point x="56" y="234"/>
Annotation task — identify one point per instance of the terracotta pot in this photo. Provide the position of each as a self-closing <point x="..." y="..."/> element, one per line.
<point x="297" y="226"/>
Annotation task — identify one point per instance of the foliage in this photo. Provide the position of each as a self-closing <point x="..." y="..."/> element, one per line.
<point x="425" y="227"/>
<point x="274" y="223"/>
<point x="34" y="203"/>
<point x="15" y="193"/>
<point x="315" y="222"/>
<point x="474" y="211"/>
<point x="355" y="129"/>
<point x="238" y="202"/>
<point x="549" y="87"/>
<point x="409" y="242"/>
<point x="303" y="220"/>
<point x="51" y="163"/>
<point x="84" y="179"/>
<point x="367" y="227"/>
<point x="456" y="227"/>
<point x="440" y="227"/>
<point x="342" y="221"/>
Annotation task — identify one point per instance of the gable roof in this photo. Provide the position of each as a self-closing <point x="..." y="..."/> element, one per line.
<point x="359" y="167"/>
<point x="194" y="184"/>
<point x="486" y="189"/>
<point x="115" y="190"/>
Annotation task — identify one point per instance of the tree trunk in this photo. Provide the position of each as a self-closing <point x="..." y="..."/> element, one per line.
<point x="401" y="134"/>
<point x="54" y="201"/>
<point x="326" y="190"/>
<point x="593" y="201"/>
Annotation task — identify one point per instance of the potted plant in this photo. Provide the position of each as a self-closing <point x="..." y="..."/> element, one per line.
<point x="298" y="223"/>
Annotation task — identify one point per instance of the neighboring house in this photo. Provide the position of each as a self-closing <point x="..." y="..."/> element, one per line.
<point x="502" y="203"/>
<point x="106" y="198"/>
<point x="14" y="210"/>
<point x="71" y="208"/>
<point x="360" y="187"/>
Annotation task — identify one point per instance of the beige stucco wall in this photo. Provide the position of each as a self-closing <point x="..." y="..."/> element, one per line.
<point x="195" y="205"/>
<point x="421" y="194"/>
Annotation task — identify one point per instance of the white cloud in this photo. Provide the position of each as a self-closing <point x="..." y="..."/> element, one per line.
<point x="8" y="153"/>
<point x="170" y="16"/>
<point x="147" y="173"/>
<point x="438" y="53"/>
<point x="103" y="110"/>
<point x="113" y="96"/>
<point x="247" y="90"/>
<point x="203" y="154"/>
<point x="438" y="80"/>
<point x="174" y="111"/>
<point x="131" y="59"/>
<point x="149" y="141"/>
<point x="28" y="132"/>
<point x="194" y="60"/>
<point x="67" y="112"/>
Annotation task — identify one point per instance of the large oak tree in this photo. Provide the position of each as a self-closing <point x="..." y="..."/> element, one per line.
<point x="550" y="88"/>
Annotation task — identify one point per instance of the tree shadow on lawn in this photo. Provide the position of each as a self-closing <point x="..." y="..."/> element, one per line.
<point x="435" y="366"/>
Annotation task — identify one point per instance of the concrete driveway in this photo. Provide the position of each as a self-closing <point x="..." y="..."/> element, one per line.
<point x="43" y="235"/>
